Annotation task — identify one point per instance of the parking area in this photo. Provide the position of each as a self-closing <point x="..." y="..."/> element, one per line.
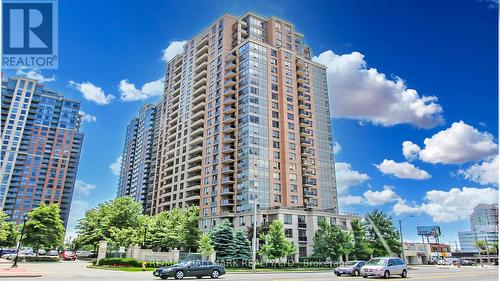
<point x="78" y="270"/>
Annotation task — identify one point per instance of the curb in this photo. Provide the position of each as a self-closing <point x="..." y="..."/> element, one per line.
<point x="279" y="272"/>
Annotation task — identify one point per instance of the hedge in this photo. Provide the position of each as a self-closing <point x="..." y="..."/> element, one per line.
<point x="130" y="262"/>
<point x="40" y="259"/>
<point x="120" y="262"/>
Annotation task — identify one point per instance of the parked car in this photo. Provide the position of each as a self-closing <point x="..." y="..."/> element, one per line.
<point x="190" y="268"/>
<point x="42" y="252"/>
<point x="7" y="251"/>
<point x="67" y="255"/>
<point x="52" y="253"/>
<point x="385" y="267"/>
<point x="350" y="267"/>
<point x="467" y="263"/>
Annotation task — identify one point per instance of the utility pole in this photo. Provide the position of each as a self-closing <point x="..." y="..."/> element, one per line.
<point x="477" y="246"/>
<point x="401" y="237"/>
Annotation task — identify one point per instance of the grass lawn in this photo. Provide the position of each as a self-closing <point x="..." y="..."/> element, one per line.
<point x="233" y="270"/>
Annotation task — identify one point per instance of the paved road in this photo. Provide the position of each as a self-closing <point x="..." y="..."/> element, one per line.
<point x="65" y="271"/>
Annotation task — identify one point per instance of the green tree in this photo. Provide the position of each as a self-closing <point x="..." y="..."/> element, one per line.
<point x="276" y="245"/>
<point x="222" y="237"/>
<point x="381" y="233"/>
<point x="191" y="230"/>
<point x="44" y="228"/>
<point x="241" y="246"/>
<point x="8" y="231"/>
<point x="362" y="249"/>
<point x="119" y="221"/>
<point x="331" y="242"/>
<point x="206" y="245"/>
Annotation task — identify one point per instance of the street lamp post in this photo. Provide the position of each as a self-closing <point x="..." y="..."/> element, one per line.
<point x="144" y="240"/>
<point x="401" y="236"/>
<point x="254" y="238"/>
<point x="20" y="240"/>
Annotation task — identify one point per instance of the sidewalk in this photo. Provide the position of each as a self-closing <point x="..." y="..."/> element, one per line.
<point x="6" y="271"/>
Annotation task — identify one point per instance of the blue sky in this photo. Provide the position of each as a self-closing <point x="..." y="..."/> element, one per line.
<point x="407" y="71"/>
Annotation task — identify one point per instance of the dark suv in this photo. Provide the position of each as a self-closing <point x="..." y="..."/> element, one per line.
<point x="191" y="268"/>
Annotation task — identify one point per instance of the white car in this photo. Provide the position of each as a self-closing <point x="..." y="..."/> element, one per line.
<point x="385" y="267"/>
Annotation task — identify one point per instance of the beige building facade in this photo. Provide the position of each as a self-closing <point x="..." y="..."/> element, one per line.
<point x="244" y="123"/>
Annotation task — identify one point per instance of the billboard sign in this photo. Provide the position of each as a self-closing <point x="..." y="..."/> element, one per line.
<point x="429" y="230"/>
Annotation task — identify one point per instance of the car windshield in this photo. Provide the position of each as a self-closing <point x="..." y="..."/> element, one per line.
<point x="350" y="263"/>
<point x="68" y="252"/>
<point x="184" y="263"/>
<point x="376" y="262"/>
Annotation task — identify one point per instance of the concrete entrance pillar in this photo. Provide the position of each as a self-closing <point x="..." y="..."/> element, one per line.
<point x="101" y="251"/>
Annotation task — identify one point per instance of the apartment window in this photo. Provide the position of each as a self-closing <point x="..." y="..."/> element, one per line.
<point x="293" y="167"/>
<point x="277" y="198"/>
<point x="275" y="96"/>
<point x="290" y="116"/>
<point x="275" y="105"/>
<point x="288" y="219"/>
<point x="276" y="124"/>
<point x="277" y="187"/>
<point x="291" y="136"/>
<point x="291" y="126"/>
<point x="289" y="107"/>
<point x="277" y="25"/>
<point x="276" y="165"/>
<point x="273" y="53"/>
<point x="293" y="177"/>
<point x="274" y="70"/>
<point x="292" y="156"/>
<point x="241" y="221"/>
<point x="291" y="145"/>
<point x="294" y="199"/>
<point x="276" y="155"/>
<point x="276" y="134"/>
<point x="289" y="233"/>
<point x="275" y="114"/>
<point x="277" y="176"/>
<point x="276" y="144"/>
<point x="273" y="61"/>
<point x="274" y="87"/>
<point x="293" y="188"/>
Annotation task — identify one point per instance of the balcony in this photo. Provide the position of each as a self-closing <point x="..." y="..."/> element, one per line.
<point x="226" y="202"/>
<point x="229" y="83"/>
<point x="307" y="152"/>
<point x="304" y="105"/>
<point x="231" y="65"/>
<point x="228" y="128"/>
<point x="227" y="159"/>
<point x="228" y="119"/>
<point x="304" y="114"/>
<point x="227" y="170"/>
<point x="227" y="180"/>
<point x="229" y="92"/>
<point x="229" y="100"/>
<point x="300" y="63"/>
<point x="305" y="132"/>
<point x="229" y="109"/>
<point x="305" y="122"/>
<point x="309" y="182"/>
<point x="230" y="57"/>
<point x="301" y="71"/>
<point x="227" y="191"/>
<point x="230" y="74"/>
<point x="303" y="88"/>
<point x="228" y="149"/>
<point x="202" y="50"/>
<point x="228" y="139"/>
<point x="308" y="171"/>
<point x="307" y="162"/>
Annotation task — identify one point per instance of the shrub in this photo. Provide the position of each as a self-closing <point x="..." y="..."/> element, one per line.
<point x="119" y="262"/>
<point x="41" y="259"/>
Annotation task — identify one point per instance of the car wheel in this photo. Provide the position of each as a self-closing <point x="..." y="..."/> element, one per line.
<point x="404" y="274"/>
<point x="215" y="274"/>
<point x="355" y="273"/>
<point x="387" y="274"/>
<point x="179" y="274"/>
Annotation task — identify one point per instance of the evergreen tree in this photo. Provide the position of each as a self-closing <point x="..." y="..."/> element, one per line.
<point x="222" y="237"/>
<point x="276" y="244"/>
<point x="242" y="246"/>
<point x="362" y="249"/>
<point x="381" y="233"/>
<point x="44" y="228"/>
<point x="331" y="242"/>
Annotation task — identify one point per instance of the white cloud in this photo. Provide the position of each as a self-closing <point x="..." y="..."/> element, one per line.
<point x="130" y="93"/>
<point x="336" y="147"/>
<point x="403" y="170"/>
<point x="83" y="188"/>
<point x="449" y="206"/>
<point x="347" y="177"/>
<point x="350" y="200"/>
<point x="86" y="117"/>
<point x="410" y="150"/>
<point x="375" y="198"/>
<point x="458" y="144"/>
<point x="92" y="92"/>
<point x="115" y="167"/>
<point x="36" y="74"/>
<point x="483" y="173"/>
<point x="365" y="94"/>
<point x="173" y="49"/>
